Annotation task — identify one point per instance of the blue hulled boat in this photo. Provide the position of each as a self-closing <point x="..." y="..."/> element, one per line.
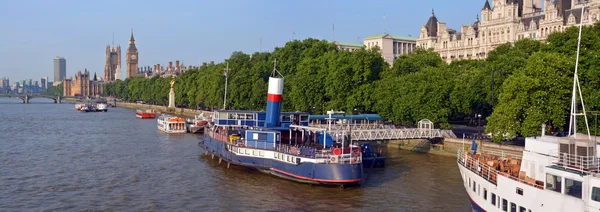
<point x="271" y="142"/>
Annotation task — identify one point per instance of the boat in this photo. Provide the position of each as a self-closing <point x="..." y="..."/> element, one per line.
<point x="86" y="108"/>
<point x="372" y="158"/>
<point x="197" y="124"/>
<point x="101" y="107"/>
<point x="170" y="124"/>
<point x="282" y="144"/>
<point x="78" y="106"/>
<point x="145" y="114"/>
<point x="553" y="173"/>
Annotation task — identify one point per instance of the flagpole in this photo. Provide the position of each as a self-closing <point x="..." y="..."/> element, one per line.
<point x="225" y="97"/>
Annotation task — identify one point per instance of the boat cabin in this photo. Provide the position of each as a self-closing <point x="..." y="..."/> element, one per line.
<point x="257" y="118"/>
<point x="360" y="119"/>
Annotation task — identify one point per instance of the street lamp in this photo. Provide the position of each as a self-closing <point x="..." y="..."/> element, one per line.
<point x="479" y="125"/>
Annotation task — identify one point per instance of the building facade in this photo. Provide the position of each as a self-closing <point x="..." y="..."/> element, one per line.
<point x="82" y="85"/>
<point x="506" y="21"/>
<point x="60" y="69"/>
<point x="132" y="58"/>
<point x="391" y="47"/>
<point x="113" y="63"/>
<point x="348" y="46"/>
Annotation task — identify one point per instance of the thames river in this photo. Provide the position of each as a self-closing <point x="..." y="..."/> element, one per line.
<point x="54" y="158"/>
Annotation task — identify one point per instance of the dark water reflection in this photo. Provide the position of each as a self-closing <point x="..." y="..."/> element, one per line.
<point x="54" y="158"/>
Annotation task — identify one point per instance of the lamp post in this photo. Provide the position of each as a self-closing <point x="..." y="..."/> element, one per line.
<point x="225" y="96"/>
<point x="479" y="125"/>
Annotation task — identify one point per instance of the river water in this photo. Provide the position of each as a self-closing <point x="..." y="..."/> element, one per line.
<point x="53" y="158"/>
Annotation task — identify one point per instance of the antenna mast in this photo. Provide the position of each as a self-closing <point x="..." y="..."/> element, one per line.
<point x="577" y="89"/>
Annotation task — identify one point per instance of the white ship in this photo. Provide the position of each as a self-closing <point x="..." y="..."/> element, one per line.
<point x="170" y="124"/>
<point x="555" y="173"/>
<point x="102" y="107"/>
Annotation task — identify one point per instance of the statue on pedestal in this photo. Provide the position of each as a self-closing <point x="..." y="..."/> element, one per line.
<point x="172" y="95"/>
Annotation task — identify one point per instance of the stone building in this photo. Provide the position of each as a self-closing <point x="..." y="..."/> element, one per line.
<point x="505" y="21"/>
<point x="113" y="63"/>
<point x="391" y="46"/>
<point x="83" y="86"/>
<point x="132" y="58"/>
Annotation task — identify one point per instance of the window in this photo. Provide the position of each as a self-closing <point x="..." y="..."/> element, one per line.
<point x="504" y="205"/>
<point x="494" y="198"/>
<point x="520" y="191"/>
<point x="573" y="188"/>
<point x="596" y="194"/>
<point x="474" y="186"/>
<point x="554" y="183"/>
<point x="522" y="209"/>
<point x="479" y="190"/>
<point x="513" y="207"/>
<point x="484" y="194"/>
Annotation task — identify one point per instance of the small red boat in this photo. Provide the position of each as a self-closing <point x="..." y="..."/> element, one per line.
<point x="147" y="114"/>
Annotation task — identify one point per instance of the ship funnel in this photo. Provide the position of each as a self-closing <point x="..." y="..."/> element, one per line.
<point x="274" y="97"/>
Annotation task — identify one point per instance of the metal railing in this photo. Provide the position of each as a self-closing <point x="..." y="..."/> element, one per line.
<point x="578" y="162"/>
<point x="485" y="171"/>
<point x="347" y="155"/>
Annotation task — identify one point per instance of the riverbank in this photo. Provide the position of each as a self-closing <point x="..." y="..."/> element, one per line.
<point x="190" y="113"/>
<point x="450" y="146"/>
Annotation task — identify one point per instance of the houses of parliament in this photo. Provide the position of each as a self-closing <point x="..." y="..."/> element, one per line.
<point x="505" y="21"/>
<point x="82" y="85"/>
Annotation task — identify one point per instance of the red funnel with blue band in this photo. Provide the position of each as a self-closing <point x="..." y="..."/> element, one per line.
<point x="274" y="97"/>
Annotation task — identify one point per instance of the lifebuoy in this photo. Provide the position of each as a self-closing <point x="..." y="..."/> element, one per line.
<point x="333" y="159"/>
<point x="337" y="151"/>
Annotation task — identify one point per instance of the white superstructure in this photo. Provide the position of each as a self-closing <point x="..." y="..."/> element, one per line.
<point x="170" y="124"/>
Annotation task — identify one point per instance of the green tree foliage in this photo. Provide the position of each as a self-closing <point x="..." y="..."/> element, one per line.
<point x="517" y="88"/>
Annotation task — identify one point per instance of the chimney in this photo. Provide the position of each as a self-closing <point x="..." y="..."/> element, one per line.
<point x="170" y="65"/>
<point x="177" y="64"/>
<point x="189" y="67"/>
<point x="212" y="62"/>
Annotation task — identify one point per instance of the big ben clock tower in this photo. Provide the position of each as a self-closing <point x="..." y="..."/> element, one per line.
<point x="132" y="58"/>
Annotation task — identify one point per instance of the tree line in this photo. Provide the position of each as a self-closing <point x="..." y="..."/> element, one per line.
<point x="519" y="86"/>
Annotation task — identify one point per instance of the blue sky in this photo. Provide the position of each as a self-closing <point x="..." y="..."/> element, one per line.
<point x="35" y="31"/>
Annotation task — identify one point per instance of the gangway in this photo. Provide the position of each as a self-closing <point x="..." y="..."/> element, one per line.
<point x="374" y="132"/>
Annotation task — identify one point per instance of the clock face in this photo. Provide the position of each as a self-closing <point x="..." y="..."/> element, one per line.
<point x="133" y="57"/>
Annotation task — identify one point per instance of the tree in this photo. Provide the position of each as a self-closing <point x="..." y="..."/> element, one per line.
<point x="536" y="94"/>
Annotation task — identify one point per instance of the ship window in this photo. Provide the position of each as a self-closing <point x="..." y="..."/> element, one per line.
<point x="304" y="118"/>
<point x="484" y="194"/>
<point x="520" y="191"/>
<point x="474" y="186"/>
<point x="504" y="205"/>
<point x="522" y="209"/>
<point x="573" y="188"/>
<point x="553" y="183"/>
<point x="596" y="194"/>
<point x="285" y="118"/>
<point x="513" y="207"/>
<point x="479" y="190"/>
<point x="493" y="199"/>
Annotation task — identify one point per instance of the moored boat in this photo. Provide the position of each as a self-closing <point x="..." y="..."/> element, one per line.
<point x="276" y="143"/>
<point x="145" y="114"/>
<point x="170" y="124"/>
<point x="101" y="107"/>
<point x="197" y="124"/>
<point x="78" y="106"/>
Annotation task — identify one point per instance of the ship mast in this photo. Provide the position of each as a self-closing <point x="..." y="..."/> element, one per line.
<point x="577" y="89"/>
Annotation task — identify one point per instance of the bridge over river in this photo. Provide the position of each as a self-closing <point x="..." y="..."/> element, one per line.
<point x="27" y="97"/>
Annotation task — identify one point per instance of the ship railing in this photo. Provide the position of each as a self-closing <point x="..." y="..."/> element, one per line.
<point x="347" y="155"/>
<point x="577" y="162"/>
<point x="486" y="171"/>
